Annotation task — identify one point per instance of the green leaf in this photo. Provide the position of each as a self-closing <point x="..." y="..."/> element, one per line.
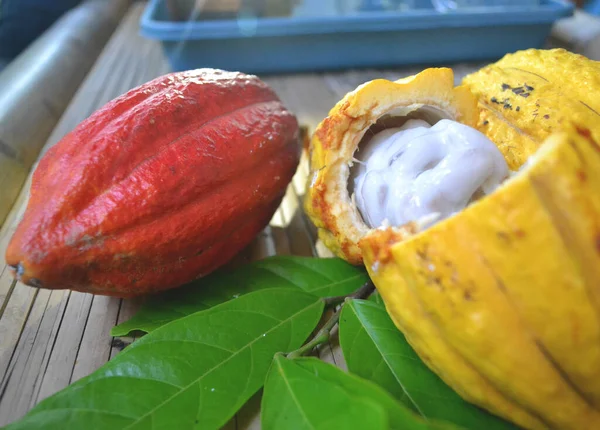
<point x="195" y="372"/>
<point x="306" y="393"/>
<point x="322" y="277"/>
<point x="376" y="298"/>
<point x="376" y="350"/>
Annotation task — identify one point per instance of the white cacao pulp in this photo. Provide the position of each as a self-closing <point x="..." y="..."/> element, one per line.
<point x="419" y="171"/>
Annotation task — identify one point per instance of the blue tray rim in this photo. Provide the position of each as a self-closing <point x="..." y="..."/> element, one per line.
<point x="546" y="13"/>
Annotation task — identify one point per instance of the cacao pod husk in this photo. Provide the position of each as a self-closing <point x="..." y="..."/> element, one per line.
<point x="159" y="187"/>
<point x="502" y="299"/>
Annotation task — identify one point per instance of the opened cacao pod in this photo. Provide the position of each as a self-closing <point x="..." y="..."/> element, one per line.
<point x="491" y="269"/>
<point x="160" y="186"/>
<point x="372" y="107"/>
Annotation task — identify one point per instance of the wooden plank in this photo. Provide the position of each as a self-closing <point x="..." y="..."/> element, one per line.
<point x="248" y="417"/>
<point x="299" y="239"/>
<point x="299" y="184"/>
<point x="14" y="316"/>
<point x="281" y="241"/>
<point x="332" y="352"/>
<point x="8" y="228"/>
<point x="21" y="383"/>
<point x="95" y="347"/>
<point x="57" y="374"/>
<point x="306" y="95"/>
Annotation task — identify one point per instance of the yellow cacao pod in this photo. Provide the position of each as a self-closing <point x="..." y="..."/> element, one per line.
<point x="502" y="299"/>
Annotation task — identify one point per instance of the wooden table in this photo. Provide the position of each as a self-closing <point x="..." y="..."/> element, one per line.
<point x="49" y="339"/>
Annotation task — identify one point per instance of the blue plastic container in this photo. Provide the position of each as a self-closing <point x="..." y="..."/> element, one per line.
<point x="592" y="7"/>
<point x="367" y="39"/>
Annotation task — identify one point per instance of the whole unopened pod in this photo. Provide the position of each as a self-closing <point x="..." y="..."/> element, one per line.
<point x="159" y="187"/>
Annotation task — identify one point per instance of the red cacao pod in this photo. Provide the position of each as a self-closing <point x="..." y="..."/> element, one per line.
<point x="160" y="186"/>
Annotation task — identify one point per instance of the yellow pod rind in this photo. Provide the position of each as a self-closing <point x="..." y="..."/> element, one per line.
<point x="504" y="295"/>
<point x="327" y="202"/>
<point x="528" y="95"/>
<point x="574" y="75"/>
<point x="410" y="316"/>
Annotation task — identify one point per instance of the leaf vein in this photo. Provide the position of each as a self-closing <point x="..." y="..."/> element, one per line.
<point x="154" y="341"/>
<point x="333" y="284"/>
<point x="294" y="397"/>
<point x="74" y="409"/>
<point x="249" y="345"/>
<point x="388" y="363"/>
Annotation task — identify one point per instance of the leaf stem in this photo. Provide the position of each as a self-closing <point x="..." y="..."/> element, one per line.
<point x="321" y="337"/>
<point x="324" y="333"/>
<point x="363" y="292"/>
